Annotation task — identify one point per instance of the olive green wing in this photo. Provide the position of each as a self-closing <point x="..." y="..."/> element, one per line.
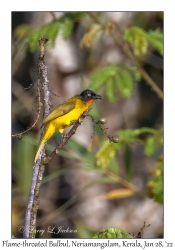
<point x="61" y="110"/>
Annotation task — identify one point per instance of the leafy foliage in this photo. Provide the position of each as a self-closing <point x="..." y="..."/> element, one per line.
<point x="137" y="74"/>
<point x="137" y="37"/>
<point x="126" y="137"/>
<point x="125" y="83"/>
<point x="99" y="77"/>
<point x="66" y="28"/>
<point x="140" y="39"/>
<point x="155" y="186"/>
<point x="155" y="38"/>
<point x="63" y="25"/>
<point x="112" y="233"/>
<point x="114" y="77"/>
<point x="88" y="37"/>
<point x="111" y="92"/>
<point x="150" y="146"/>
<point x="105" y="153"/>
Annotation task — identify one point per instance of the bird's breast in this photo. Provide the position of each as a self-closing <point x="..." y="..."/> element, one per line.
<point x="65" y="121"/>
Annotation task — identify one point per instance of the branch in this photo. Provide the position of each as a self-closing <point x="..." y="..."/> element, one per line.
<point x="101" y="122"/>
<point x="141" y="232"/>
<point x="38" y="171"/>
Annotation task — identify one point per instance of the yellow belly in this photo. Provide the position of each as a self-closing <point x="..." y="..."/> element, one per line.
<point x="62" y="122"/>
<point x="65" y="121"/>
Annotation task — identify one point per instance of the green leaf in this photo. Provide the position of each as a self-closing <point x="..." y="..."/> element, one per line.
<point x="125" y="83"/>
<point x="158" y="189"/>
<point x="155" y="186"/>
<point x="49" y="30"/>
<point x="144" y="130"/>
<point x="127" y="136"/>
<point x="53" y="32"/>
<point x="114" y="166"/>
<point x="64" y="25"/>
<point x="137" y="75"/>
<point x="67" y="23"/>
<point x="113" y="74"/>
<point x="106" y="153"/>
<point x="66" y="29"/>
<point x="110" y="90"/>
<point x="155" y="38"/>
<point x="99" y="77"/>
<point x="150" y="146"/>
<point x="137" y="37"/>
<point x="112" y="233"/>
<point x="89" y="36"/>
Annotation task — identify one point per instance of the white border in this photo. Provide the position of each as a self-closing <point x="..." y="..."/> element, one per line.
<point x="169" y="93"/>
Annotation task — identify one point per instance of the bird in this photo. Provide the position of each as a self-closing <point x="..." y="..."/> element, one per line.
<point x="64" y="115"/>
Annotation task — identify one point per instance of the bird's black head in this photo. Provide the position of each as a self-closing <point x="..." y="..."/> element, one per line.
<point x="89" y="95"/>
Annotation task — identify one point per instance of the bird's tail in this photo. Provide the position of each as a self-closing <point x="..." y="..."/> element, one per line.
<point x="40" y="146"/>
<point x="46" y="134"/>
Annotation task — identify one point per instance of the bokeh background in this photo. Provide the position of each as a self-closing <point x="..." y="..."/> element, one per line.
<point x="74" y="190"/>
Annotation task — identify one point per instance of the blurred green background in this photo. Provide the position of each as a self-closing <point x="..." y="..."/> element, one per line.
<point x="92" y="184"/>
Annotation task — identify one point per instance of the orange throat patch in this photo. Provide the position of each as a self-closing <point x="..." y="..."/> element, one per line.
<point x="89" y="102"/>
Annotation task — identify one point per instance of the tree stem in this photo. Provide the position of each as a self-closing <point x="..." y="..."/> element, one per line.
<point x="38" y="170"/>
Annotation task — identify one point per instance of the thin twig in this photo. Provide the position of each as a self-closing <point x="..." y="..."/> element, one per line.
<point x="99" y="122"/>
<point x="141" y="232"/>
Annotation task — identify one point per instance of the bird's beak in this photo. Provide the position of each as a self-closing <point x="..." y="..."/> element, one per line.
<point x="97" y="97"/>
